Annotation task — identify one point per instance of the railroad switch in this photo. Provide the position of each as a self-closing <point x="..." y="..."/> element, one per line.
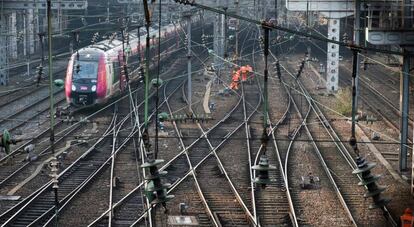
<point x="155" y="191"/>
<point x="263" y="171"/>
<point x="369" y="181"/>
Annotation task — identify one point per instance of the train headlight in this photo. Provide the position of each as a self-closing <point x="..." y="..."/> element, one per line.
<point x="73" y="87"/>
<point x="93" y="88"/>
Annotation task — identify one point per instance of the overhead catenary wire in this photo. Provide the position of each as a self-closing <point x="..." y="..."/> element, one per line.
<point x="288" y="30"/>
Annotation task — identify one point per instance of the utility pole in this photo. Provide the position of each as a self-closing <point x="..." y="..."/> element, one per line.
<point x="188" y="16"/>
<point x="51" y="113"/>
<point x="357" y="34"/>
<point x="50" y="71"/>
<point x="236" y="2"/>
<point x="216" y="41"/>
<point x="405" y="89"/>
<point x="225" y="33"/>
<point x="41" y="35"/>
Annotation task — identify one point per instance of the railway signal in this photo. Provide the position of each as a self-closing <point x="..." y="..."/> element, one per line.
<point x="369" y="180"/>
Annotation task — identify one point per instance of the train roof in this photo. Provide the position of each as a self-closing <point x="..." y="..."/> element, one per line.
<point x="111" y="44"/>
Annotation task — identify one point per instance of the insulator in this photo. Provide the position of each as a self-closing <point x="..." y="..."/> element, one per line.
<point x="145" y="139"/>
<point x="368" y="180"/>
<point x="156" y="191"/>
<point x="263" y="171"/>
<point x="345" y="38"/>
<point x="279" y="74"/>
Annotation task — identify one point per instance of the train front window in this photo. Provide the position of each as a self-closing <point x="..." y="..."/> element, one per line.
<point x="85" y="70"/>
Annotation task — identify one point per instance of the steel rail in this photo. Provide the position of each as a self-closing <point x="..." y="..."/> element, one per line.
<point x="213" y="150"/>
<point x="136" y="129"/>
<point x="115" y="131"/>
<point x="172" y="160"/>
<point x="141" y="184"/>
<point x="201" y="194"/>
<point x="322" y="161"/>
<point x="111" y="175"/>
<point x="343" y="150"/>
<point x="247" y="132"/>
<point x="283" y="172"/>
<point x="249" y="155"/>
<point x="25" y="202"/>
<point x="327" y="171"/>
<point x="169" y="163"/>
<point x="20" y="147"/>
<point x="25" y="108"/>
<point x="69" y="130"/>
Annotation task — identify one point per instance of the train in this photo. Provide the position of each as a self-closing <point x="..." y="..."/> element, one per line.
<point x="94" y="72"/>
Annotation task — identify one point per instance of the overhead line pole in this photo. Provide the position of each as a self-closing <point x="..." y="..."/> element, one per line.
<point x="357" y="41"/>
<point x="147" y="53"/>
<point x="190" y="110"/>
<point x="51" y="112"/>
<point x="405" y="90"/>
<point x="237" y="31"/>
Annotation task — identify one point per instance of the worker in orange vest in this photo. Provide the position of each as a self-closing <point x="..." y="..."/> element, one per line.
<point x="407" y="218"/>
<point x="243" y="71"/>
<point x="235" y="81"/>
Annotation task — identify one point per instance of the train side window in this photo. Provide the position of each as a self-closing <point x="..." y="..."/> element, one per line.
<point x="117" y="71"/>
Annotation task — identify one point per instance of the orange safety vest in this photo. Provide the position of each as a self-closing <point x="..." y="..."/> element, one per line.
<point x="236" y="77"/>
<point x="407" y="218"/>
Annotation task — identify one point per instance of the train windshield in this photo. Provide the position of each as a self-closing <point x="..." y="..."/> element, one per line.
<point x="85" y="70"/>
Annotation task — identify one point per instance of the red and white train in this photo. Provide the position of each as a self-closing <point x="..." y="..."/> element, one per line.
<point x="94" y="72"/>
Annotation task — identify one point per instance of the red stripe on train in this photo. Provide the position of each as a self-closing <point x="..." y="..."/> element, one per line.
<point x="101" y="88"/>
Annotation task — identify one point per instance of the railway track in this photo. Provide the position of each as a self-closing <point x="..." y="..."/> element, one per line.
<point x="40" y="205"/>
<point x="178" y="169"/>
<point x="338" y="163"/>
<point x="16" y="169"/>
<point x="72" y="179"/>
<point x="274" y="204"/>
<point x="390" y="116"/>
